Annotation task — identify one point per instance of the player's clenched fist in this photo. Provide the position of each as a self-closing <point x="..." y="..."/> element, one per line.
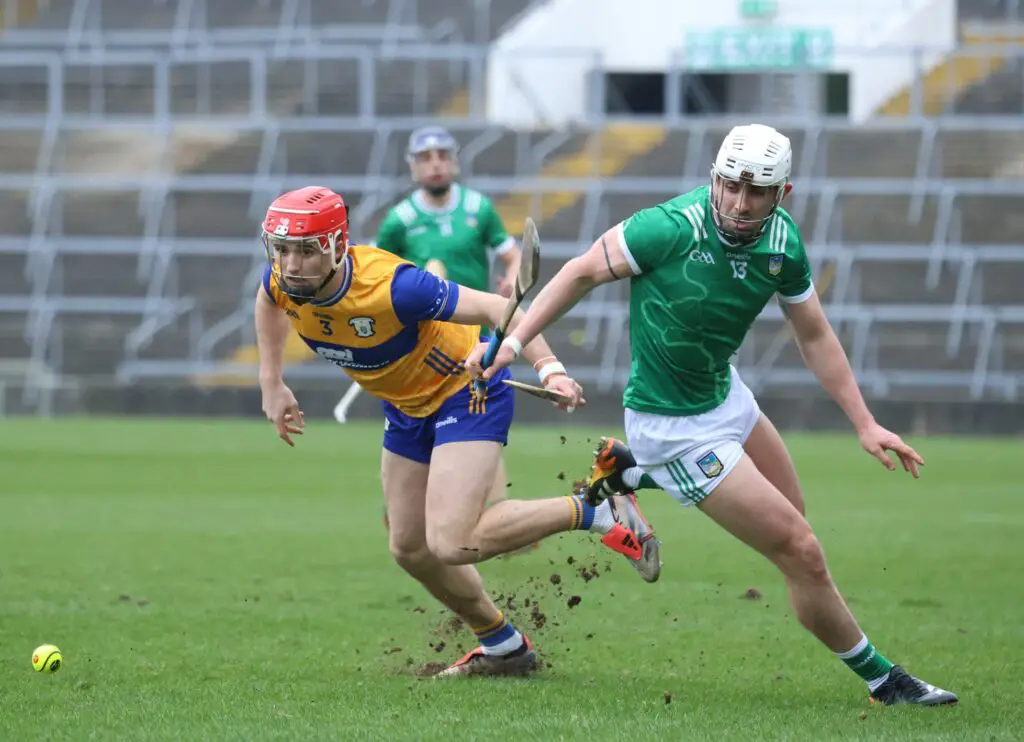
<point x="552" y="374"/>
<point x="474" y="363"/>
<point x="567" y="387"/>
<point x="282" y="409"/>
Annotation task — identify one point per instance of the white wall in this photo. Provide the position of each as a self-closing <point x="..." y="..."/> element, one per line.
<point x="884" y="63"/>
<point x="537" y="72"/>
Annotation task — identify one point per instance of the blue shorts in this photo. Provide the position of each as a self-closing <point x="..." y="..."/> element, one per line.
<point x="460" y="418"/>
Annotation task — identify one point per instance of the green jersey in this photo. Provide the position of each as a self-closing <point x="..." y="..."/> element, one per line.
<point x="459" y="235"/>
<point x="694" y="298"/>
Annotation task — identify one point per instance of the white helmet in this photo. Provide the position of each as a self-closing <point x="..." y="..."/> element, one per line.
<point x="758" y="155"/>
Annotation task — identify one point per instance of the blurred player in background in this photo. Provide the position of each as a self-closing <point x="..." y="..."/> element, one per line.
<point x="403" y="333"/>
<point x="701" y="268"/>
<point x="445" y="228"/>
<point x="449" y="230"/>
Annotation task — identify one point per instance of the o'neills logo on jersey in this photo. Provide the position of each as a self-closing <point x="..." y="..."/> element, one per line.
<point x="702" y="256"/>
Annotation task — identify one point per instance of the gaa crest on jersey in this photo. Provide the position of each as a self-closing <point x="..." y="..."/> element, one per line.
<point x="775" y="264"/>
<point x="710" y="464"/>
<point x="363" y="326"/>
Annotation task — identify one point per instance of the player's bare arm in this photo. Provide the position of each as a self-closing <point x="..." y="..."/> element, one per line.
<point x="604" y="262"/>
<point x="272" y="330"/>
<point x="510" y="260"/>
<point x="279" y="404"/>
<point x="482" y="308"/>
<point x="825" y="357"/>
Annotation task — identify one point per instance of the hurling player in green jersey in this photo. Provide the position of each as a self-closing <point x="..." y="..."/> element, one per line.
<point x="701" y="267"/>
<point x="444" y="224"/>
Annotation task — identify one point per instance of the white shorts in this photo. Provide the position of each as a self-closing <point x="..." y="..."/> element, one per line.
<point x="689" y="456"/>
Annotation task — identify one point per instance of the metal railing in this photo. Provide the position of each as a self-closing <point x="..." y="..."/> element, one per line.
<point x="258" y="73"/>
<point x="153" y="189"/>
<point x="280" y="24"/>
<point x="981" y="375"/>
<point x="157" y="247"/>
<point x="156" y="309"/>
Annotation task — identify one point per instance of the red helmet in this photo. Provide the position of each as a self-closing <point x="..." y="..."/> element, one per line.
<point x="312" y="220"/>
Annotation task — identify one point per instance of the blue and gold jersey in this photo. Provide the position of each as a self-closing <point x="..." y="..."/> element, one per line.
<point x="385" y="327"/>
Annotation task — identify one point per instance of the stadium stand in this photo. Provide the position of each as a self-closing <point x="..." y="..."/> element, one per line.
<point x="141" y="140"/>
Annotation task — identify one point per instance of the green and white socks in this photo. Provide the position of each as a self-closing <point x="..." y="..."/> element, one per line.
<point x="865" y="660"/>
<point x="636" y="479"/>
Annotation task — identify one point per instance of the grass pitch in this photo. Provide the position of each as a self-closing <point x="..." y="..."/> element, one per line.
<point x="205" y="582"/>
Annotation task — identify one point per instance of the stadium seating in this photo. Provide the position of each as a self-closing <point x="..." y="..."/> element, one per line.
<point x="136" y="164"/>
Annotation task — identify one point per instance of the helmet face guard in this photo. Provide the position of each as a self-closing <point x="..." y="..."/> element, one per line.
<point x="303" y="287"/>
<point x="312" y="222"/>
<point x="736" y="227"/>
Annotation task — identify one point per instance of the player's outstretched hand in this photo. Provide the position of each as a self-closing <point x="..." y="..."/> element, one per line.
<point x="570" y="388"/>
<point x="878" y="442"/>
<point x="282" y="409"/>
<point x="474" y="363"/>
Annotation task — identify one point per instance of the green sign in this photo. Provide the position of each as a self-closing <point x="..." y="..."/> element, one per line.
<point x="759" y="8"/>
<point x="759" y="48"/>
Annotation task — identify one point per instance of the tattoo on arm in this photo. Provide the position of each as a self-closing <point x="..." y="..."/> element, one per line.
<point x="607" y="260"/>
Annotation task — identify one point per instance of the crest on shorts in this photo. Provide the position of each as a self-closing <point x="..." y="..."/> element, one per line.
<point x="775" y="264"/>
<point x="710" y="464"/>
